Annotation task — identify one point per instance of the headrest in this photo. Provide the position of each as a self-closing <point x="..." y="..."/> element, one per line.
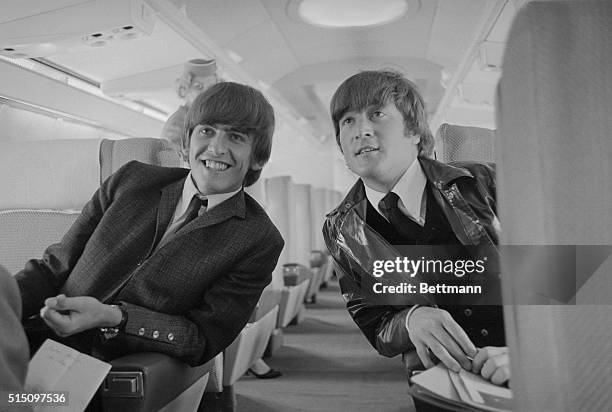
<point x="64" y="174"/>
<point x="466" y="143"/>
<point x="116" y="153"/>
<point x="48" y="174"/>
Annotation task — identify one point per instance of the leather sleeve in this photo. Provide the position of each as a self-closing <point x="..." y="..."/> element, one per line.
<point x="383" y="326"/>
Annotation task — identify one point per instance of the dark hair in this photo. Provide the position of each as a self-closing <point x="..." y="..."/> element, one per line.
<point x="241" y="107"/>
<point x="378" y="88"/>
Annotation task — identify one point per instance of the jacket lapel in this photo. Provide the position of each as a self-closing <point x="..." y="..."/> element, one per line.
<point x="170" y="196"/>
<point x="234" y="206"/>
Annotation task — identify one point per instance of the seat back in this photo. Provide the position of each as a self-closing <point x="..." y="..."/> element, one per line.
<point x="116" y="153"/>
<point x="279" y="190"/>
<point x="32" y="215"/>
<point x="466" y="143"/>
<point x="301" y="204"/>
<point x="319" y="210"/>
<point x="555" y="119"/>
<point x="46" y="183"/>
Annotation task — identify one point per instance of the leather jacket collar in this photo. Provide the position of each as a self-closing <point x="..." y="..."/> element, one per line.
<point x="441" y="175"/>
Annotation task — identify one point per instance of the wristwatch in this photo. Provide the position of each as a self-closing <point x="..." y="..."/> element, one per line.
<point x="111" y="332"/>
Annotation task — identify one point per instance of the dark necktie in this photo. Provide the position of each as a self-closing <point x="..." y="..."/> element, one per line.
<point x="400" y="222"/>
<point x="195" y="206"/>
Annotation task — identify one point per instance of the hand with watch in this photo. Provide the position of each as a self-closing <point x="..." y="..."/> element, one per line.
<point x="113" y="331"/>
<point x="70" y="315"/>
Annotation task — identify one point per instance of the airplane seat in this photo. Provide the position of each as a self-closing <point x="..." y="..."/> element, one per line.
<point x="272" y="293"/>
<point x="31" y="219"/>
<point x="329" y="205"/>
<point x="250" y="345"/>
<point x="318" y="257"/>
<point x="316" y="261"/>
<point x="280" y="208"/>
<point x="303" y="242"/>
<point x="116" y="153"/>
<point x="466" y="143"/>
<point x="554" y="188"/>
<point x="328" y="268"/>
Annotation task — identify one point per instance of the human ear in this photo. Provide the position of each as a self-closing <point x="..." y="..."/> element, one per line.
<point x="257" y="165"/>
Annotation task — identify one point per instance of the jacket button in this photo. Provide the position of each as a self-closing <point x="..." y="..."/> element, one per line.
<point x="484" y="332"/>
<point x="451" y="196"/>
<point x="170" y="337"/>
<point x="155" y="334"/>
<point x="141" y="331"/>
<point x="467" y="312"/>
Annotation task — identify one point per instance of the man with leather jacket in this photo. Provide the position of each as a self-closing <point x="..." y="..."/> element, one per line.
<point x="404" y="197"/>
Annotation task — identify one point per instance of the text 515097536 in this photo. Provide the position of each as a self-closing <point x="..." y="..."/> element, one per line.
<point x="20" y="398"/>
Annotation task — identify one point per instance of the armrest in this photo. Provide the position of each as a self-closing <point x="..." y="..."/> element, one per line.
<point x="294" y="274"/>
<point x="147" y="381"/>
<point x="270" y="298"/>
<point x="317" y="259"/>
<point x="412" y="363"/>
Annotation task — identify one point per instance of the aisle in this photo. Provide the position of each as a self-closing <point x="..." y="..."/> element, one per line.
<point x="327" y="365"/>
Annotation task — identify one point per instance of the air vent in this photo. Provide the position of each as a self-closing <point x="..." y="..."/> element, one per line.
<point x="77" y="27"/>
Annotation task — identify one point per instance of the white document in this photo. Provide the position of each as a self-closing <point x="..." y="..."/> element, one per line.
<point x="437" y="381"/>
<point x="57" y="367"/>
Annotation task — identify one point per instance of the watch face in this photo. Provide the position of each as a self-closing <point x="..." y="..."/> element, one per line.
<point x="109" y="333"/>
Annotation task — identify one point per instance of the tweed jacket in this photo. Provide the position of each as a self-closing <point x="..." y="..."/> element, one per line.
<point x="189" y="298"/>
<point x="466" y="193"/>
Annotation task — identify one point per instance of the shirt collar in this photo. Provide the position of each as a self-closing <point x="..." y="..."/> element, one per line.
<point x="190" y="190"/>
<point x="410" y="189"/>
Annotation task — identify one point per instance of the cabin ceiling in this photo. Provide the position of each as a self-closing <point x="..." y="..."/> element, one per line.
<point x="301" y="63"/>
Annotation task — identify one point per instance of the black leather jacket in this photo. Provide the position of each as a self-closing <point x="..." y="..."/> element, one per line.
<point x="466" y="193"/>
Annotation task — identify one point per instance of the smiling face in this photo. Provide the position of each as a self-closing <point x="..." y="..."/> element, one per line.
<point x="220" y="158"/>
<point x="376" y="146"/>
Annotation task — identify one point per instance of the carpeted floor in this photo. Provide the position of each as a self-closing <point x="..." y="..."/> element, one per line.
<point x="327" y="365"/>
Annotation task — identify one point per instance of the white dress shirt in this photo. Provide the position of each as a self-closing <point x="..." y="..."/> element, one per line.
<point x="411" y="191"/>
<point x="180" y="213"/>
<point x="412" y="202"/>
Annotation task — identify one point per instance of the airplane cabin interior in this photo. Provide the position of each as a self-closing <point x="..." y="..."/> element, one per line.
<point x="86" y="87"/>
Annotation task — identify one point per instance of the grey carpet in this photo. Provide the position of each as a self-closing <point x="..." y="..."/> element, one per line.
<point x="327" y="365"/>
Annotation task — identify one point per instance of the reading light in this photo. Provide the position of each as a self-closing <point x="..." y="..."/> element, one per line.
<point x="352" y="13"/>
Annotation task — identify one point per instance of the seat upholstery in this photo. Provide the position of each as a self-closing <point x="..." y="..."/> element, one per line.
<point x="466" y="143"/>
<point x="31" y="219"/>
<point x="554" y="184"/>
<point x="116" y="153"/>
<point x="281" y="207"/>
